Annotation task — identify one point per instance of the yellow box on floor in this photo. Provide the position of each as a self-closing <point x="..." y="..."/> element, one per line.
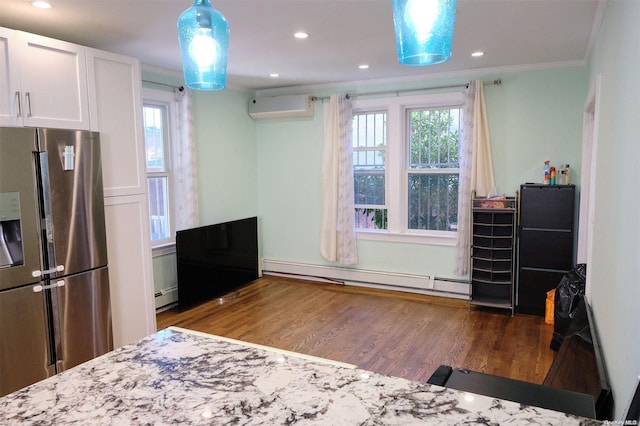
<point x="549" y="307"/>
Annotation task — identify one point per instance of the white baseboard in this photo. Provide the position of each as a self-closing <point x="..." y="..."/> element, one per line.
<point x="166" y="297"/>
<point x="422" y="284"/>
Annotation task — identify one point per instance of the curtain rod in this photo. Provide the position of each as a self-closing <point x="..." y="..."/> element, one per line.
<point x="180" y="88"/>
<point x="496" y="82"/>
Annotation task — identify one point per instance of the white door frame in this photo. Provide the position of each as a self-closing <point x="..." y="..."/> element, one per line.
<point x="588" y="179"/>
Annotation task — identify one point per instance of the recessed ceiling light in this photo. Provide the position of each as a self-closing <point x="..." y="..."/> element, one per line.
<point x="41" y="4"/>
<point x="363" y="66"/>
<point x="274" y="75"/>
<point x="301" y="35"/>
<point x="477" y="54"/>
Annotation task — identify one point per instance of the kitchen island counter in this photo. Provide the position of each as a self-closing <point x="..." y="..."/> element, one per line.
<point x="177" y="376"/>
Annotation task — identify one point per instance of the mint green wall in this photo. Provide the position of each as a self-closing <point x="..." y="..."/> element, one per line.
<point x="289" y="176"/>
<point x="615" y="269"/>
<point x="536" y="116"/>
<point x="533" y="116"/>
<point x="226" y="156"/>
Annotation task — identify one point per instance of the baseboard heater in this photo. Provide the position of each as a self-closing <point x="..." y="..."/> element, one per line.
<point x="412" y="283"/>
<point x="166" y="297"/>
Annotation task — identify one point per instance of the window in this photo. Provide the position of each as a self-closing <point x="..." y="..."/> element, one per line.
<point x="369" y="147"/>
<point x="406" y="169"/>
<point x="157" y="139"/>
<point x="432" y="172"/>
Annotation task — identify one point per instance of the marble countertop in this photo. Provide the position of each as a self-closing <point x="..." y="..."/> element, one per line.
<point x="182" y="377"/>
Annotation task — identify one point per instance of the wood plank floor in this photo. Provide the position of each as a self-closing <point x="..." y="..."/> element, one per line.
<point x="396" y="333"/>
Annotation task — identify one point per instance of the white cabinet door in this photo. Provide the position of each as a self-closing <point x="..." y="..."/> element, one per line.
<point x="54" y="83"/>
<point x="116" y="112"/>
<point x="130" y="268"/>
<point x="9" y="79"/>
<point x="115" y="88"/>
<point x="43" y="82"/>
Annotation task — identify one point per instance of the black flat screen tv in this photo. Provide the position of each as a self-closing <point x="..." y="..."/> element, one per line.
<point x="214" y="260"/>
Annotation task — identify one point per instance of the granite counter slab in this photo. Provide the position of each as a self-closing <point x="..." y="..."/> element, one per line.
<point x="181" y="377"/>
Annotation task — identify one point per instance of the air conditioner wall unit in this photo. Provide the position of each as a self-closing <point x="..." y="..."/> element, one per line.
<point x="281" y="106"/>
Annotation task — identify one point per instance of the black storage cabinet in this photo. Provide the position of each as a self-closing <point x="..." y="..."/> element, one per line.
<point x="545" y="242"/>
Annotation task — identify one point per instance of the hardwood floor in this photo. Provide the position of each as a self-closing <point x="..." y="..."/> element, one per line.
<point x="400" y="334"/>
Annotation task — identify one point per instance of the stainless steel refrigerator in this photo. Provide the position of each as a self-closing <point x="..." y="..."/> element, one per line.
<point x="54" y="285"/>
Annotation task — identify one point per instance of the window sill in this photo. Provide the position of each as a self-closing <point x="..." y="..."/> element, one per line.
<point x="442" y="239"/>
<point x="163" y="249"/>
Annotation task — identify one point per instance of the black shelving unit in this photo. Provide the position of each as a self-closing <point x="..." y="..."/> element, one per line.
<point x="545" y="242"/>
<point x="493" y="253"/>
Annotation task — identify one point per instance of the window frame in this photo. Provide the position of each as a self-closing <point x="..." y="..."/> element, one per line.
<point x="167" y="100"/>
<point x="397" y="168"/>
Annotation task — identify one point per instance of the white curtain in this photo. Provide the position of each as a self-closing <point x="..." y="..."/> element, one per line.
<point x="476" y="167"/>
<point x="338" y="238"/>
<point x="184" y="165"/>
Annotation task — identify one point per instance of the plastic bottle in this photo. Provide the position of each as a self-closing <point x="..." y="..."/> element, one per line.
<point x="552" y="176"/>
<point x="547" y="172"/>
<point x="567" y="174"/>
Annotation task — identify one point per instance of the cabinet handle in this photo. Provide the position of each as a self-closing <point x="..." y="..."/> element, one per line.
<point x="28" y="96"/>
<point x="19" y="105"/>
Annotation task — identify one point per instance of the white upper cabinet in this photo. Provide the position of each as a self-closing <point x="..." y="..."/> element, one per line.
<point x="116" y="112"/>
<point x="10" y="96"/>
<point x="43" y="82"/>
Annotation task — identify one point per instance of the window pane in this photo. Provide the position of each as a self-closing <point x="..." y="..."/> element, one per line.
<point x="159" y="207"/>
<point x="154" y="136"/>
<point x="434" y="138"/>
<point x="369" y="130"/>
<point x="371" y="218"/>
<point x="433" y="201"/>
<point x="369" y="187"/>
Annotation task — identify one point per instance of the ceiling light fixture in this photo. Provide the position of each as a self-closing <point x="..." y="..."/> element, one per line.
<point x="363" y="66"/>
<point x="301" y="35"/>
<point x="204" y="46"/>
<point x="424" y="30"/>
<point x="274" y="75"/>
<point x="41" y="4"/>
<point x="477" y="54"/>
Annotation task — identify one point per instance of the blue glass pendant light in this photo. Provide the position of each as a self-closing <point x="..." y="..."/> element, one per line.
<point x="204" y="45"/>
<point x="424" y="30"/>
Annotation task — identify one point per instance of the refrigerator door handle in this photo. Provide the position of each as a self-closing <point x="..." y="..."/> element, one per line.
<point x="47" y="212"/>
<point x="38" y="288"/>
<point x="36" y="274"/>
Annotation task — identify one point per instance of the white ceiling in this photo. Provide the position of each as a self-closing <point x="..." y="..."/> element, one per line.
<point x="343" y="34"/>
